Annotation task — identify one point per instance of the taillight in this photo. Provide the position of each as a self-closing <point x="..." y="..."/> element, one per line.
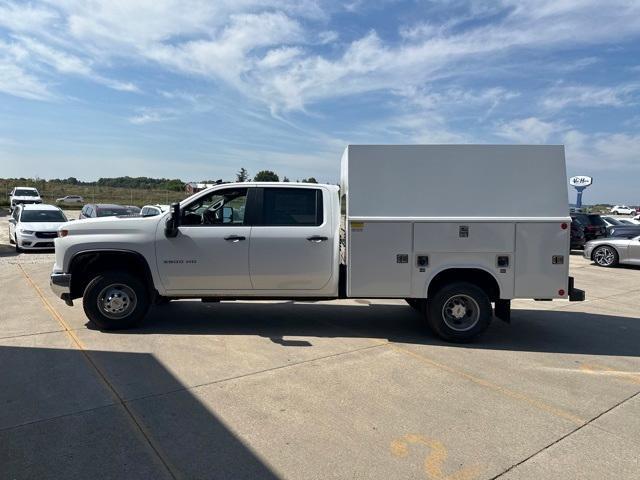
<point x="63" y="233"/>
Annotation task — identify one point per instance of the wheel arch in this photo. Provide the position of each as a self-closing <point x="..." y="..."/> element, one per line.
<point x="475" y="275"/>
<point x="84" y="265"/>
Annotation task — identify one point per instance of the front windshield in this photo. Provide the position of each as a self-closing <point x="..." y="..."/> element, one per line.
<point x="31" y="216"/>
<point x="613" y="221"/>
<point x="21" y="192"/>
<point x="112" y="212"/>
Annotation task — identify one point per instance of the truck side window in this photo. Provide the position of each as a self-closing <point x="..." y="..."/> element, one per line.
<point x="221" y="207"/>
<point x="292" y="206"/>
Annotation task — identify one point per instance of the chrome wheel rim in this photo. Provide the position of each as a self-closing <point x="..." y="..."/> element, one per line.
<point x="604" y="256"/>
<point x="117" y="301"/>
<point x="460" y="313"/>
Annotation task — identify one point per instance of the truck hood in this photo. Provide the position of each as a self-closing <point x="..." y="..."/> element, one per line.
<point x="112" y="225"/>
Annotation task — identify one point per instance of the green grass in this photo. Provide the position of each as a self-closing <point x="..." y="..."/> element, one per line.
<point x="93" y="194"/>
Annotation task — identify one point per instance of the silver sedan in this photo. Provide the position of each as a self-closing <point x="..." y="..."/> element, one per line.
<point x="610" y="251"/>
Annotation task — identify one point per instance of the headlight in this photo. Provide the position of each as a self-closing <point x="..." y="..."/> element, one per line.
<point x="27" y="232"/>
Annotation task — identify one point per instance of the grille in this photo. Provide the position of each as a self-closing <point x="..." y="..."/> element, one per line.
<point x="46" y="234"/>
<point x="44" y="244"/>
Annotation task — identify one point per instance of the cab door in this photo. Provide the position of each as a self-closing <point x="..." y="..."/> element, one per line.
<point x="211" y="251"/>
<point x="292" y="239"/>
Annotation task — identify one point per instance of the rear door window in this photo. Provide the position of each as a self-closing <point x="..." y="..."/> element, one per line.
<point x="292" y="207"/>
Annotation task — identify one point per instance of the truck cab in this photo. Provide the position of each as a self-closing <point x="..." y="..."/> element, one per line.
<point x="236" y="240"/>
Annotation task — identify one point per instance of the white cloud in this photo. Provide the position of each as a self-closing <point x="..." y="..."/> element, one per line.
<point x="151" y="116"/>
<point x="19" y="17"/>
<point x="561" y="97"/>
<point x="225" y="41"/>
<point x="603" y="151"/>
<point x="529" y="130"/>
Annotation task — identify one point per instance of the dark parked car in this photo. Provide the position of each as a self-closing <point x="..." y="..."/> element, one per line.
<point x="577" y="235"/>
<point x="627" y="231"/>
<point x="93" y="210"/>
<point x="594" y="226"/>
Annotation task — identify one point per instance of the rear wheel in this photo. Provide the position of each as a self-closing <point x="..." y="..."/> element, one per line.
<point x="605" y="256"/>
<point x="459" y="312"/>
<point x="115" y="301"/>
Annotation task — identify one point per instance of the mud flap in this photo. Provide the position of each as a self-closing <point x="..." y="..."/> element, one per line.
<point x="502" y="310"/>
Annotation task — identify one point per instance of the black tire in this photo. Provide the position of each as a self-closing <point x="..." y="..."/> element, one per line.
<point x="605" y="256"/>
<point x="10" y="238"/>
<point x="465" y="299"/>
<point x="124" y="293"/>
<point x="162" y="300"/>
<point x="15" y="240"/>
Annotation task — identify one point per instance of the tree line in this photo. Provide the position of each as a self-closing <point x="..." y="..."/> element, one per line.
<point x="267" y="176"/>
<point x="145" y="183"/>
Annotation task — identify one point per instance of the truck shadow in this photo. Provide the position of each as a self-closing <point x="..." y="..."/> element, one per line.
<point x="59" y="420"/>
<point x="553" y="331"/>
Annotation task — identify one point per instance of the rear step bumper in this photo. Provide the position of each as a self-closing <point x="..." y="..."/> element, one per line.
<point x="575" y="294"/>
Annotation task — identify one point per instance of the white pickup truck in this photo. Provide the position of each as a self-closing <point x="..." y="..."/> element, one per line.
<point x="457" y="231"/>
<point x="24" y="195"/>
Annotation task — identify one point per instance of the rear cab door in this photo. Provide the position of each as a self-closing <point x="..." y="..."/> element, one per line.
<point x="292" y="240"/>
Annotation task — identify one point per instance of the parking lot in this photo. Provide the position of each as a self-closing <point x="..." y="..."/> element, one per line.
<point x="340" y="389"/>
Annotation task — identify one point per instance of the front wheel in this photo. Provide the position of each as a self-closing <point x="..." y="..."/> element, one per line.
<point x="115" y="301"/>
<point x="605" y="256"/>
<point x="459" y="312"/>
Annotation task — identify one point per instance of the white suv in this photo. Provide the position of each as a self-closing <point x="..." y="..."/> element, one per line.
<point x="24" y="195"/>
<point x="623" y="210"/>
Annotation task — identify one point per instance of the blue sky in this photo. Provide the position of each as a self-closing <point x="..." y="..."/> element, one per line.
<point x="196" y="89"/>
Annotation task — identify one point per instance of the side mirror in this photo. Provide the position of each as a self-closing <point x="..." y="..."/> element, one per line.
<point x="173" y="222"/>
<point x="12" y="220"/>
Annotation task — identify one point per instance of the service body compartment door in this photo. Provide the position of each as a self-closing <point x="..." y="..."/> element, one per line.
<point x="542" y="259"/>
<point x="379" y="258"/>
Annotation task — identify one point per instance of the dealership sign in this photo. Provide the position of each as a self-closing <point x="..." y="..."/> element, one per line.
<point x="580" y="181"/>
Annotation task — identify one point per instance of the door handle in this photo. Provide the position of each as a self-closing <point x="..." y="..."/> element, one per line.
<point x="317" y="239"/>
<point x="234" y="238"/>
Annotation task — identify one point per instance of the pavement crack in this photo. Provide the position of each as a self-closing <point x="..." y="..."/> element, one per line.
<point x="563" y="437"/>
<point x="250" y="374"/>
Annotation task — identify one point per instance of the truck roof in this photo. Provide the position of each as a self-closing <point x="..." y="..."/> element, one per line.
<point x="276" y="184"/>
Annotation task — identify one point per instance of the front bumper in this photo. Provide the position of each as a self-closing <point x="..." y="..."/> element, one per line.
<point x="60" y="284"/>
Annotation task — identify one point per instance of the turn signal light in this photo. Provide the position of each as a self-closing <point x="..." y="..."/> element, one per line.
<point x="63" y="233"/>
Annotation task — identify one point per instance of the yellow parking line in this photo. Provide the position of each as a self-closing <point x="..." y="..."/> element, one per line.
<point x="539" y="404"/>
<point x="118" y="399"/>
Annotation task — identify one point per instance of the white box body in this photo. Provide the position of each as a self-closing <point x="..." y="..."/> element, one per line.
<point x="461" y="206"/>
